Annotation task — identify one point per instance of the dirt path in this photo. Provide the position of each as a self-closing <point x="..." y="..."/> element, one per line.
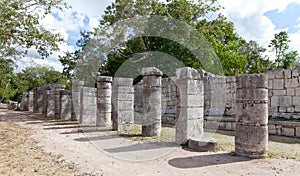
<point x="102" y="152"/>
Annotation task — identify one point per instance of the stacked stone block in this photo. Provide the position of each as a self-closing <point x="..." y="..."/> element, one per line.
<point x="39" y="100"/>
<point x="214" y="95"/>
<point x="65" y="105"/>
<point x="104" y="106"/>
<point x="151" y="101"/>
<point x="57" y="105"/>
<point x="30" y="101"/>
<point x="190" y="102"/>
<point x="251" y="135"/>
<point x="123" y="102"/>
<point x="23" y="106"/>
<point x="138" y="97"/>
<point x="76" y="94"/>
<point x="230" y="96"/>
<point x="88" y="106"/>
<point x="284" y="92"/>
<point x="168" y="100"/>
<point x="49" y="106"/>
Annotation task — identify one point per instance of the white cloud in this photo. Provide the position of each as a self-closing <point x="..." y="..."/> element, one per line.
<point x="250" y="21"/>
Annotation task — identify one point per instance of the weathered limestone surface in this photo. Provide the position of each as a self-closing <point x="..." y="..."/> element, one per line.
<point x="214" y="95"/>
<point x="30" y="101"/>
<point x="251" y="135"/>
<point x="76" y="94"/>
<point x="203" y="145"/>
<point x="39" y="100"/>
<point x="123" y="101"/>
<point x="104" y="104"/>
<point x="88" y="106"/>
<point x="65" y="105"/>
<point x="284" y="93"/>
<point x="190" y="101"/>
<point x="24" y="104"/>
<point x="151" y="93"/>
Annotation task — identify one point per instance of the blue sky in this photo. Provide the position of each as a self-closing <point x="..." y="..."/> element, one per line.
<point x="253" y="19"/>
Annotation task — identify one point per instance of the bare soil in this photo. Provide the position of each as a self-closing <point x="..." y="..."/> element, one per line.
<point x="33" y="145"/>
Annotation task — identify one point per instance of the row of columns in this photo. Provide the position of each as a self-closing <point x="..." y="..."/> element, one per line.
<point x="112" y="104"/>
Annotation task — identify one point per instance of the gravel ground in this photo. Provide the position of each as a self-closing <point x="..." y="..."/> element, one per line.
<point x="33" y="145"/>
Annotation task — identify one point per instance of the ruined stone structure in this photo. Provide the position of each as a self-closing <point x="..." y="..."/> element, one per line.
<point x="123" y="101"/>
<point x="151" y="98"/>
<point x="88" y="106"/>
<point x="104" y="107"/>
<point x="251" y="135"/>
<point x="76" y="93"/>
<point x="190" y="101"/>
<point x="65" y="105"/>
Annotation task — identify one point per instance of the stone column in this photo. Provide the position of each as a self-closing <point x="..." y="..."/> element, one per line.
<point x="123" y="102"/>
<point x="47" y="101"/>
<point x="65" y="105"/>
<point x="190" y="102"/>
<point x="35" y="100"/>
<point x="24" y="102"/>
<point x="50" y="103"/>
<point x="88" y="101"/>
<point x="39" y="99"/>
<point x="30" y="101"/>
<point x="57" y="88"/>
<point x="251" y="134"/>
<point x="104" y="107"/>
<point x="76" y="93"/>
<point x="151" y="93"/>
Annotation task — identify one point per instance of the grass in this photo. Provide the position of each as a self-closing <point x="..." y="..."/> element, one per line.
<point x="167" y="135"/>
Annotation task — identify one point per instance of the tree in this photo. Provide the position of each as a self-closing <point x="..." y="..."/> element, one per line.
<point x="283" y="57"/>
<point x="236" y="55"/>
<point x="7" y="76"/>
<point x="69" y="59"/>
<point x="20" y="28"/>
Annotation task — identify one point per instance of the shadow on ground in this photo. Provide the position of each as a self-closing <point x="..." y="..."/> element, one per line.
<point x="205" y="160"/>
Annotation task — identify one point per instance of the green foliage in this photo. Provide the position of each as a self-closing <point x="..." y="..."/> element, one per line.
<point x="20" y="28"/>
<point x="284" y="58"/>
<point x="12" y="84"/>
<point x="237" y="56"/>
<point x="70" y="59"/>
<point x="7" y="76"/>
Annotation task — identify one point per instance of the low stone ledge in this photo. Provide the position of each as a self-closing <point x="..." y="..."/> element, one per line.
<point x="202" y="145"/>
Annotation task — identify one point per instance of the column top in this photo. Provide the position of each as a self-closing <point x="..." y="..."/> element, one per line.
<point x="151" y="71"/>
<point x="77" y="83"/>
<point x="123" y="81"/>
<point x="252" y="81"/>
<point x="187" y="73"/>
<point x="104" y="79"/>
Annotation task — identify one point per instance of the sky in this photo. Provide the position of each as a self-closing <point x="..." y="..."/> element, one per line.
<point x="255" y="20"/>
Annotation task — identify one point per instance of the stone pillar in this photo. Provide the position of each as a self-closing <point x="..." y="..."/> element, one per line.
<point x="190" y="102"/>
<point x="251" y="134"/>
<point x="50" y="104"/>
<point x="57" y="88"/>
<point x="104" y="107"/>
<point x="88" y="101"/>
<point x="76" y="93"/>
<point x="39" y="99"/>
<point x="35" y="100"/>
<point x="30" y="101"/>
<point x="24" y="102"/>
<point x="151" y="93"/>
<point x="65" y="105"/>
<point x="47" y="100"/>
<point x="123" y="102"/>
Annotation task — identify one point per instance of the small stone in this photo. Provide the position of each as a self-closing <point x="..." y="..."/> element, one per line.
<point x="202" y="145"/>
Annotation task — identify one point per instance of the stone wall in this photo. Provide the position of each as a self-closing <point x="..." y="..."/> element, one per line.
<point x="284" y="93"/>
